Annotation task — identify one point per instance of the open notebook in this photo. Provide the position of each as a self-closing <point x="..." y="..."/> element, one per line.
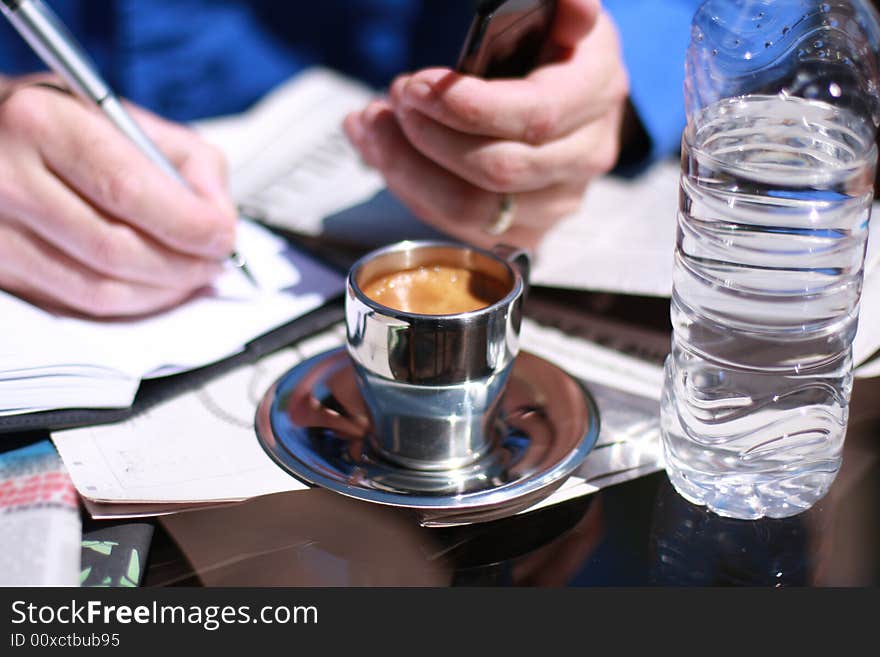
<point x="52" y="361"/>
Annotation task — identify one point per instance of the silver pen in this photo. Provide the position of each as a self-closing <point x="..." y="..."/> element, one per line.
<point x="59" y="50"/>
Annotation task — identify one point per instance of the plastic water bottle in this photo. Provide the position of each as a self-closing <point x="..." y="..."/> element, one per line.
<point x="778" y="162"/>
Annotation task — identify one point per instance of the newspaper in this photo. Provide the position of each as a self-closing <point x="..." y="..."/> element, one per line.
<point x="40" y="530"/>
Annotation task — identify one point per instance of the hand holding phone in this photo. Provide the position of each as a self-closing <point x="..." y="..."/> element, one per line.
<point x="460" y="150"/>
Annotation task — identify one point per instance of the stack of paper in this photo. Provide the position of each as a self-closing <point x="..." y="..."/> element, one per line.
<point x="50" y="361"/>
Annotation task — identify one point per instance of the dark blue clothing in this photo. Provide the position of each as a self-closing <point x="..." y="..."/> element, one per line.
<point x="187" y="59"/>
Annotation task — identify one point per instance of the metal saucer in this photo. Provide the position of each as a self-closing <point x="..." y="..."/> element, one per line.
<point x="314" y="424"/>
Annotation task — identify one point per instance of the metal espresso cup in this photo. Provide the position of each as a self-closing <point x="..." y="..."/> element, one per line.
<point x="432" y="383"/>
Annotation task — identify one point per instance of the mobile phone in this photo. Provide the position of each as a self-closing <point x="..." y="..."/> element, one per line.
<point x="506" y="38"/>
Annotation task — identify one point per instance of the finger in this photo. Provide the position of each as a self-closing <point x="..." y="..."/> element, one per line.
<point x="551" y="102"/>
<point x="35" y="270"/>
<point x="426" y="188"/>
<point x="574" y="20"/>
<point x="88" y="153"/>
<point x="510" y="166"/>
<point x="113" y="248"/>
<point x="444" y="200"/>
<point x="40" y="78"/>
<point x="201" y="164"/>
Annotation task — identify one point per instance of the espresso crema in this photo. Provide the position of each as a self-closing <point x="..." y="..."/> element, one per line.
<point x="436" y="289"/>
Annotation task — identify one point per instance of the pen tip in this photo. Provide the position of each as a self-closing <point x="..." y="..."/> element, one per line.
<point x="248" y="274"/>
<point x="236" y="259"/>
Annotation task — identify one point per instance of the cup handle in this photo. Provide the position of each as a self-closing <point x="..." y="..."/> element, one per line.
<point x="518" y="258"/>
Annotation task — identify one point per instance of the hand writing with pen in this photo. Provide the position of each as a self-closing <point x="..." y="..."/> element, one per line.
<point x="87" y="223"/>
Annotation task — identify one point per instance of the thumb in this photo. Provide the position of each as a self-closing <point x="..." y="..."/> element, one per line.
<point x="574" y="20"/>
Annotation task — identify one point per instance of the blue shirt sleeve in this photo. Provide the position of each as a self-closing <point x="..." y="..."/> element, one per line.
<point x="655" y="37"/>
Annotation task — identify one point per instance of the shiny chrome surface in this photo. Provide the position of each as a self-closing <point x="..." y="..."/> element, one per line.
<point x="432" y="382"/>
<point x="314" y="423"/>
<point x="428" y="427"/>
<point x="432" y="349"/>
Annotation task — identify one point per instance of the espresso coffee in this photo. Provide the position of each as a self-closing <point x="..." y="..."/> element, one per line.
<point x="432" y="329"/>
<point x="436" y="290"/>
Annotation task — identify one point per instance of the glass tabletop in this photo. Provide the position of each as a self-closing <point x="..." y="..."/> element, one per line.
<point x="640" y="533"/>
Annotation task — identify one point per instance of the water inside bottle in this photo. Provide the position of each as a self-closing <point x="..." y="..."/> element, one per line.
<point x="774" y="206"/>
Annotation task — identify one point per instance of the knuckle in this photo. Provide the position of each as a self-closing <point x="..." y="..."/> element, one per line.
<point x="108" y="253"/>
<point x="120" y="189"/>
<point x="612" y="157"/>
<point x="465" y="107"/>
<point x="24" y="111"/>
<point x="540" y="123"/>
<point x="564" y="206"/>
<point x="502" y="171"/>
<point x="397" y="87"/>
<point x="15" y="192"/>
<point x="570" y="205"/>
<point x="620" y="87"/>
<point x="574" y="202"/>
